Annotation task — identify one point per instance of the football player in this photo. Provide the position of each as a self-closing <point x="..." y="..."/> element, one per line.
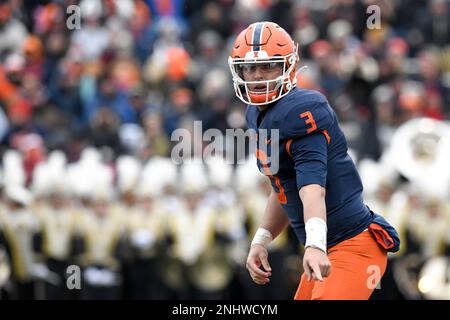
<point x="316" y="189"/>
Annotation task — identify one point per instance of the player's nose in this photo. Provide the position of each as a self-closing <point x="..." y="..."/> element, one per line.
<point x="257" y="74"/>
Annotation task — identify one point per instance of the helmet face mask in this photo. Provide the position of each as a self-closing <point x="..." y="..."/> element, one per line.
<point x="278" y="50"/>
<point x="281" y="84"/>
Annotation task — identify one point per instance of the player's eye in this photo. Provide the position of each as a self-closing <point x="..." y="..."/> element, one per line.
<point x="269" y="66"/>
<point x="247" y="67"/>
<point x="264" y="67"/>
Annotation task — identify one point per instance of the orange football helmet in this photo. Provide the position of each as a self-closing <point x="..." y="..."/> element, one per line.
<point x="263" y="43"/>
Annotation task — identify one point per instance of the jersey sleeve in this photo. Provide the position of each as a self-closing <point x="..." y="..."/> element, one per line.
<point x="310" y="159"/>
<point x="305" y="119"/>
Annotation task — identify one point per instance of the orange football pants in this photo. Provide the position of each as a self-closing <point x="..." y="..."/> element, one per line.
<point x="357" y="265"/>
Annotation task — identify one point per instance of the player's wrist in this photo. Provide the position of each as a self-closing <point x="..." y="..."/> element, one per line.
<point x="262" y="237"/>
<point x="316" y="234"/>
<point x="309" y="247"/>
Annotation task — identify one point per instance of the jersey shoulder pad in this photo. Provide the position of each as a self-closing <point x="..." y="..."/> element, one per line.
<point x="305" y="112"/>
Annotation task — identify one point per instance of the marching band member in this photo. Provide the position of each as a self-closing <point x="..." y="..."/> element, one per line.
<point x="127" y="173"/>
<point x="20" y="227"/>
<point x="100" y="228"/>
<point x="57" y="220"/>
<point x="203" y="264"/>
<point x="230" y="226"/>
<point x="145" y="225"/>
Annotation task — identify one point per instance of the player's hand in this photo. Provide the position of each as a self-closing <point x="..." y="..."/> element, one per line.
<point x="258" y="257"/>
<point x="316" y="264"/>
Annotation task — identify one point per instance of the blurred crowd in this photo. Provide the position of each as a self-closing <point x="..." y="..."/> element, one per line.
<point x="86" y="120"/>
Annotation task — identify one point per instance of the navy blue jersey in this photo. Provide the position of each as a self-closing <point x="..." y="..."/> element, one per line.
<point x="312" y="150"/>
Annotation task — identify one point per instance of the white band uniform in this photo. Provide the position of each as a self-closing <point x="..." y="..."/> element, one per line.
<point x="262" y="237"/>
<point x="316" y="234"/>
